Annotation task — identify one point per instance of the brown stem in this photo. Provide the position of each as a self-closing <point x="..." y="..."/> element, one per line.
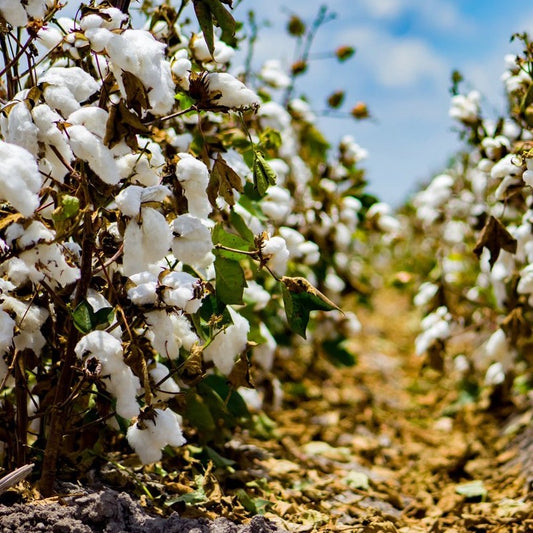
<point x="22" y="409"/>
<point x="60" y="409"/>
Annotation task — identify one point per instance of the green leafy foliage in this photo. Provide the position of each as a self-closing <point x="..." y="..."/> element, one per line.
<point x="300" y="298"/>
<point x="86" y="319"/>
<point x="263" y="173"/>
<point x="208" y="11"/>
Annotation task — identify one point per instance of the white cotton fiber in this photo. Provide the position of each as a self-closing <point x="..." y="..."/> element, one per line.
<point x="91" y="149"/>
<point x="20" y="180"/>
<point x="228" y="343"/>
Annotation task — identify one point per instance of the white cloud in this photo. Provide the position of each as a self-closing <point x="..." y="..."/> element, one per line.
<point x="436" y="14"/>
<point x="398" y="61"/>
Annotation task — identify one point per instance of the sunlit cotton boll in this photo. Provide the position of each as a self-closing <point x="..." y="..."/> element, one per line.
<point x="91" y="149"/>
<point x="495" y="374"/>
<point x="228" y="343"/>
<point x="166" y="387"/>
<point x="138" y="52"/>
<point x="146" y="240"/>
<point x="256" y="295"/>
<point x="426" y="292"/>
<point x="277" y="204"/>
<point x="435" y="326"/>
<point x="191" y="241"/>
<point x="274" y="249"/>
<point x="162" y="431"/>
<point x="117" y="377"/>
<point x="183" y="291"/>
<point x="465" y="108"/>
<point x="228" y="91"/>
<point x="274" y="75"/>
<point x="193" y="176"/>
<point x="20" y="181"/>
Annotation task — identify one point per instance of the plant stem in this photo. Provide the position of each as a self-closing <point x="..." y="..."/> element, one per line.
<point x="60" y="408"/>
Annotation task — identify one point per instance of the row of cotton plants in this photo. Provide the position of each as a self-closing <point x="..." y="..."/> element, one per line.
<point x="162" y="226"/>
<point x="477" y="219"/>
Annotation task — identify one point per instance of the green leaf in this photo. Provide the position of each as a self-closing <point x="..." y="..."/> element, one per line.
<point x="229" y="278"/>
<point x="103" y="318"/>
<point x="199" y="414"/>
<point x="240" y="225"/>
<point x="205" y="19"/>
<point x="225" y="21"/>
<point x="82" y="317"/>
<point x="336" y="350"/>
<point x="229" y="240"/>
<point x="218" y="460"/>
<point x="68" y="207"/>
<point x="270" y="139"/>
<point x="263" y="173"/>
<point x="234" y="401"/>
<point x="300" y="298"/>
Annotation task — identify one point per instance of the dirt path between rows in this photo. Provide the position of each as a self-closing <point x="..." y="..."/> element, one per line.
<point x="386" y="446"/>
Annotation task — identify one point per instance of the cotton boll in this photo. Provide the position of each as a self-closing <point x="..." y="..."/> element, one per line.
<point x="263" y="354"/>
<point x="193" y="176"/>
<point x="183" y="291"/>
<point x="20" y="181"/>
<point x="93" y="118"/>
<point x="192" y="242"/>
<point x="507" y="166"/>
<point x="426" y="292"/>
<point x="277" y="204"/>
<point x="116" y="375"/>
<point x="128" y="200"/>
<point x="228" y="343"/>
<point x="274" y="75"/>
<point x="465" y="108"/>
<point x="145" y="290"/>
<point x="145" y="241"/>
<point x="167" y="387"/>
<point x="168" y="332"/>
<point x="7" y="327"/>
<point x="163" y="430"/>
<point x="91" y="149"/>
<point x="181" y="67"/>
<point x="19" y="128"/>
<point x="13" y="12"/>
<point x="275" y="251"/>
<point x="138" y="52"/>
<point x="255" y="294"/>
<point x="227" y="91"/>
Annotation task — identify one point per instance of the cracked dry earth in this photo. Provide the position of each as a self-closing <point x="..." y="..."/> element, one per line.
<point x="386" y="446"/>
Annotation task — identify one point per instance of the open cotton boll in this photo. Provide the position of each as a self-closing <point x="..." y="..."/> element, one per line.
<point x="118" y="378"/>
<point x="263" y="354"/>
<point x="138" y="52"/>
<point x="19" y="128"/>
<point x="20" y="181"/>
<point x="79" y="82"/>
<point x="228" y="343"/>
<point x="145" y="290"/>
<point x="181" y="67"/>
<point x="13" y="12"/>
<point x="91" y="149"/>
<point x="93" y="118"/>
<point x="222" y="53"/>
<point x="256" y="295"/>
<point x="192" y="241"/>
<point x="162" y="431"/>
<point x="183" y="291"/>
<point x="7" y="329"/>
<point x="275" y="251"/>
<point x="193" y="176"/>
<point x="228" y="91"/>
<point x="166" y="386"/>
<point x="60" y="98"/>
<point x="274" y="74"/>
<point x="277" y="204"/>
<point x="145" y="241"/>
<point x="168" y="332"/>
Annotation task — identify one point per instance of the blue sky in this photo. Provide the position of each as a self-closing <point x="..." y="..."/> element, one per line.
<point x="406" y="50"/>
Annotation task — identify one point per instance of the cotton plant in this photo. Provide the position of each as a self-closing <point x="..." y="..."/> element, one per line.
<point x="156" y="212"/>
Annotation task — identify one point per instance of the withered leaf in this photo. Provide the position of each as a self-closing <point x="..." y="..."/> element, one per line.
<point x="495" y="237"/>
<point x="192" y="370"/>
<point x="123" y="124"/>
<point x="136" y="93"/>
<point x="240" y="373"/>
<point x="516" y="326"/>
<point x="223" y="181"/>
